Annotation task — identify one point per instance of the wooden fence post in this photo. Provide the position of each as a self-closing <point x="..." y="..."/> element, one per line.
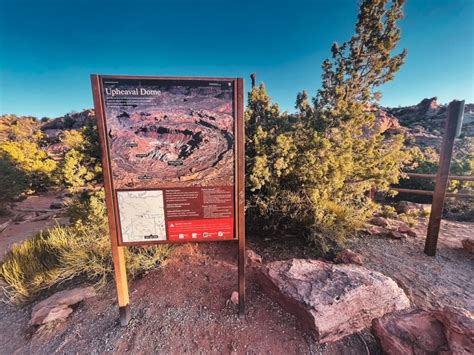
<point x="455" y="114"/>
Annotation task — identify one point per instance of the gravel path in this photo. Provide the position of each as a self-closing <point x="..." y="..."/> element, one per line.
<point x="430" y="282"/>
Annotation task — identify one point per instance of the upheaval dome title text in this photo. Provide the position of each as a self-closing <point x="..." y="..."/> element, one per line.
<point x="131" y="92"/>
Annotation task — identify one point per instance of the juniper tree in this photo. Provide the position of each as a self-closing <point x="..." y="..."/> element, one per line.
<point x="314" y="167"/>
<point x="358" y="67"/>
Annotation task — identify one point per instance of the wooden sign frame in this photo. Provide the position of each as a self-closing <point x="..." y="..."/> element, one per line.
<point x="118" y="245"/>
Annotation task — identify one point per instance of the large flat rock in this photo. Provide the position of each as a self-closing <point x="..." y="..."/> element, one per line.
<point x="331" y="301"/>
<point x="56" y="307"/>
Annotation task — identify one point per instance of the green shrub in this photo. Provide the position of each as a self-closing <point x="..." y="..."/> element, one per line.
<point x="22" y="142"/>
<point x="388" y="211"/>
<point x="80" y="168"/>
<point x="13" y="182"/>
<point x="408" y="218"/>
<point x="426" y="161"/>
<point x="64" y="252"/>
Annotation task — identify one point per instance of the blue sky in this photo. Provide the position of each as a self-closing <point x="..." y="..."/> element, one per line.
<point x="48" y="48"/>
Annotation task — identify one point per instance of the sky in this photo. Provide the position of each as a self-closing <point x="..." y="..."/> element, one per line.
<point x="48" y="48"/>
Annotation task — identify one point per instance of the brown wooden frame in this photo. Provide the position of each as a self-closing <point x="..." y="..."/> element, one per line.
<point x="111" y="194"/>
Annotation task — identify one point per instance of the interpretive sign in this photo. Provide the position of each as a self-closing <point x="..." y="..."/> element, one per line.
<point x="173" y="156"/>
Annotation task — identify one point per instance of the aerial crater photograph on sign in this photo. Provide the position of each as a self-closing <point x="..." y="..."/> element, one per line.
<point x="169" y="133"/>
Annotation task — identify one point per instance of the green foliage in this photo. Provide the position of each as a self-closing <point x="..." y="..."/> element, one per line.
<point x="388" y="211"/>
<point x="314" y="168"/>
<point x="23" y="158"/>
<point x="361" y="65"/>
<point x="409" y="218"/>
<point x="32" y="160"/>
<point x="81" y="167"/>
<point x="463" y="164"/>
<point x="13" y="182"/>
<point x="65" y="252"/>
<point x="426" y="160"/>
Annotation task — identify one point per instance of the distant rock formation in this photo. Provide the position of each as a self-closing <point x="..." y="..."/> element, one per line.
<point x="429" y="116"/>
<point x="429" y="107"/>
<point x="74" y="120"/>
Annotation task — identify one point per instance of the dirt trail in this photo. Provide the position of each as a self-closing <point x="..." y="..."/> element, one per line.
<point x="428" y="281"/>
<point x="17" y="232"/>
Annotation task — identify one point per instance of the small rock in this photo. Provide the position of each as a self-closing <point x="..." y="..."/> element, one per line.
<point x="394" y="235"/>
<point x="373" y="230"/>
<point x="56" y="205"/>
<point x="447" y="331"/>
<point x="407" y="230"/>
<point x="348" y="256"/>
<point x="56" y="313"/>
<point x="57" y="306"/>
<point x="408" y="207"/>
<point x="252" y="259"/>
<point x="331" y="301"/>
<point x="379" y="221"/>
<point x="468" y="244"/>
<point x="234" y="298"/>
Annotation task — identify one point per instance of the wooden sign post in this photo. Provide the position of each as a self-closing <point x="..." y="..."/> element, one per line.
<point x="452" y="127"/>
<point x="173" y="164"/>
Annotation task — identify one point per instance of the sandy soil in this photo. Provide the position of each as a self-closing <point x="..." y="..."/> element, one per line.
<point x="185" y="307"/>
<point x="445" y="279"/>
<point x="17" y="232"/>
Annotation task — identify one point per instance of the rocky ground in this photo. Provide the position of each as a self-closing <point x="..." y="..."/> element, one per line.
<point x="183" y="308"/>
<point x="428" y="281"/>
<point x="186" y="307"/>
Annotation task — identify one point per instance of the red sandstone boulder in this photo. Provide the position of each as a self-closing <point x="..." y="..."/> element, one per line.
<point x="57" y="307"/>
<point x="447" y="331"/>
<point x="348" y="256"/>
<point x="331" y="301"/>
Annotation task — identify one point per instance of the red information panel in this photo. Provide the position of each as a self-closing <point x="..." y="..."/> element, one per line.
<point x="200" y="213"/>
<point x="171" y="153"/>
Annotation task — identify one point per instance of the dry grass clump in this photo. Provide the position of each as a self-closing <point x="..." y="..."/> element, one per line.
<point x="64" y="252"/>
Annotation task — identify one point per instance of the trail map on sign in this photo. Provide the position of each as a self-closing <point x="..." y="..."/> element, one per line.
<point x="142" y="215"/>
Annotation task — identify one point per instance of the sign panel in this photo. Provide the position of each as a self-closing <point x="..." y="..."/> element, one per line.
<point x="171" y="146"/>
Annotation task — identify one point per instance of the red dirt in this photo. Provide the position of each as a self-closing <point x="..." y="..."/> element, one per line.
<point x="181" y="308"/>
<point x="185" y="306"/>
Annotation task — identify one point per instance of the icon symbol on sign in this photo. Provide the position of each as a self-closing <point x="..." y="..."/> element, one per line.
<point x="181" y="236"/>
<point x="220" y="234"/>
<point x="171" y="225"/>
<point x="205" y="234"/>
<point x="194" y="235"/>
